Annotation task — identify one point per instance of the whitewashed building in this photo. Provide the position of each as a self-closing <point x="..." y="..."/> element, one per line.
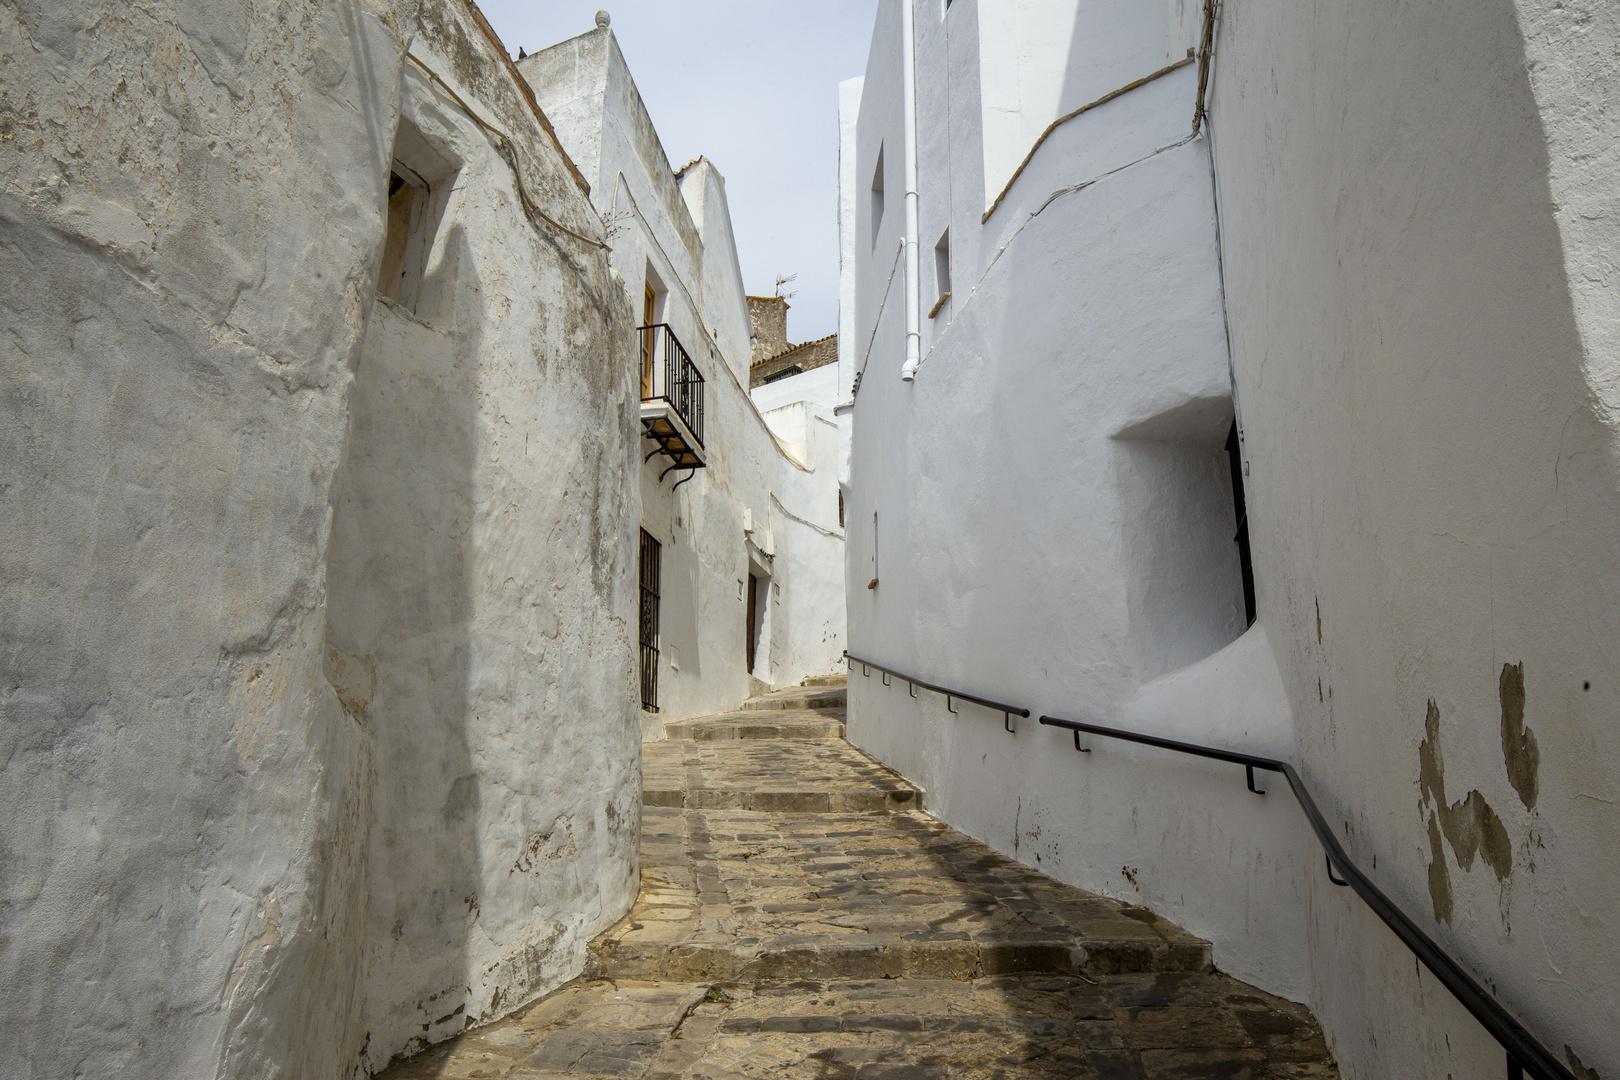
<point x="742" y="547"/>
<point x="1245" y="375"/>
<point x="324" y="414"/>
<point x="317" y="541"/>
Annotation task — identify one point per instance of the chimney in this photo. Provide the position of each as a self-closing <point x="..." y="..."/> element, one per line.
<point x="767" y="318"/>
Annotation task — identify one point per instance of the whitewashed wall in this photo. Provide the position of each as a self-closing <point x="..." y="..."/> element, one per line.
<point x="818" y="386"/>
<point x="849" y="350"/>
<point x="1419" y="215"/>
<point x="200" y="555"/>
<point x="744" y="513"/>
<point x="482" y="576"/>
<point x="1054" y="507"/>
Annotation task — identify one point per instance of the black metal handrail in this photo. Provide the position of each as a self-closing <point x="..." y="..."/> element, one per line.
<point x="677" y="380"/>
<point x="1523" y="1051"/>
<point x="1007" y="711"/>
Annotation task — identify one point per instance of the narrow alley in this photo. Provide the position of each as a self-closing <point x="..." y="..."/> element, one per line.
<point x="801" y="915"/>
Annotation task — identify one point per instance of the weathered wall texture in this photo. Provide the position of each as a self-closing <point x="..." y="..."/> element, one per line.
<point x="756" y="508"/>
<point x="767" y="316"/>
<point x="482" y="576"/>
<point x="1417" y="248"/>
<point x="1419" y="215"/>
<point x="1053" y="509"/>
<point x="198" y="835"/>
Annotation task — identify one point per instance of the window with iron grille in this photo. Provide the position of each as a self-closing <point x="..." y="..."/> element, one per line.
<point x="651" y="551"/>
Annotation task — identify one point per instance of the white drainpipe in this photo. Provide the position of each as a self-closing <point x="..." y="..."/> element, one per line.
<point x="908" y="62"/>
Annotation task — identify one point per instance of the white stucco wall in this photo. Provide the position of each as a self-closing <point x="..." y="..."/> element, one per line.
<point x="849" y="350"/>
<point x="1054" y="509"/>
<point x="1418" y="209"/>
<point x="818" y="385"/>
<point x="1417" y="232"/>
<point x="1040" y="59"/>
<point x="746" y="512"/>
<point x="199" y="838"/>
<point x="482" y="570"/>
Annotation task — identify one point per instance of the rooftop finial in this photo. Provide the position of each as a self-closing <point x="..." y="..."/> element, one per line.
<point x="602" y="19"/>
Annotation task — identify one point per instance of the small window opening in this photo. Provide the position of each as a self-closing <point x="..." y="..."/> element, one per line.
<point x="407" y="205"/>
<point x="877" y="197"/>
<point x="1234" y="453"/>
<point x="840" y="509"/>
<point x="873" y="583"/>
<point x="942" y="273"/>
<point x="420" y="181"/>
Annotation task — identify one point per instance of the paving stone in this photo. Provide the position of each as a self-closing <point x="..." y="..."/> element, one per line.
<point x="798" y="919"/>
<point x="798" y="697"/>
<point x="856" y="896"/>
<point x="793" y="776"/>
<point x="754" y="724"/>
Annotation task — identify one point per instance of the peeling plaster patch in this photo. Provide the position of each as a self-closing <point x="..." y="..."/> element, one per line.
<point x="1470" y="826"/>
<point x="1575" y="1066"/>
<point x="1520" y="753"/>
<point x="353" y="678"/>
<point x="267" y="938"/>
<point x="542" y="846"/>
<point x="1439" y="876"/>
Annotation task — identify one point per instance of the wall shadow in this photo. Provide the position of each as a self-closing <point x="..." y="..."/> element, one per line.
<point x="399" y="614"/>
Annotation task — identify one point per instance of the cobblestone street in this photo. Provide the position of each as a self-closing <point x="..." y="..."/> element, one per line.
<point x="801" y="916"/>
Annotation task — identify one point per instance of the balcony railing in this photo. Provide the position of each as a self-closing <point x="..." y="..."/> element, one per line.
<point x="668" y="374"/>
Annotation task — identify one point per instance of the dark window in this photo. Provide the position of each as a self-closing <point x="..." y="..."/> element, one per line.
<point x="651" y="552"/>
<point x="840" y="508"/>
<point x="750" y="637"/>
<point x="404" y="208"/>
<point x="1234" y="453"/>
<point x="791" y="369"/>
<point x="877" y="197"/>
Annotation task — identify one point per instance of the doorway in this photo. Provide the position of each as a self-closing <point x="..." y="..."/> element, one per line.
<point x="651" y="553"/>
<point x="649" y="311"/>
<point x="751" y="631"/>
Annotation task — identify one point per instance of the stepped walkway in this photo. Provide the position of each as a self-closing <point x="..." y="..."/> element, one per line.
<point x="801" y="917"/>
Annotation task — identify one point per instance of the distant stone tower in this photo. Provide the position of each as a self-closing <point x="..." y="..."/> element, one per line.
<point x="767" y="317"/>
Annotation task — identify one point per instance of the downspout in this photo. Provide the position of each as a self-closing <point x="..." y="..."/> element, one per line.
<point x="908" y="64"/>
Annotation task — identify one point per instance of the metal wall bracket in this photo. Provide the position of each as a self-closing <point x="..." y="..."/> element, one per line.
<point x="1250" y="770"/>
<point x="1077" y="746"/>
<point x="1331" y="878"/>
<point x="1007" y="722"/>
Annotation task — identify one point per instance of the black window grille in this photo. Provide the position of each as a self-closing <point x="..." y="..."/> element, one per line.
<point x="651" y="552"/>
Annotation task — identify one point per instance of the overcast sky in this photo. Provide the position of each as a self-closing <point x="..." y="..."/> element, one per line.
<point x="753" y="85"/>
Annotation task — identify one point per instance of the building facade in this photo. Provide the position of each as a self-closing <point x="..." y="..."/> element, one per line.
<point x="1262" y="398"/>
<point x="329" y="481"/>
<point x="742" y="536"/>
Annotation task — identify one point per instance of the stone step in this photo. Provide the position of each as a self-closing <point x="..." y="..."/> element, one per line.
<point x="730" y="895"/>
<point x="790" y="776"/>
<point x="1168" y="1025"/>
<point x="840" y="679"/>
<point x="776" y="724"/>
<point x="798" y="697"/>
